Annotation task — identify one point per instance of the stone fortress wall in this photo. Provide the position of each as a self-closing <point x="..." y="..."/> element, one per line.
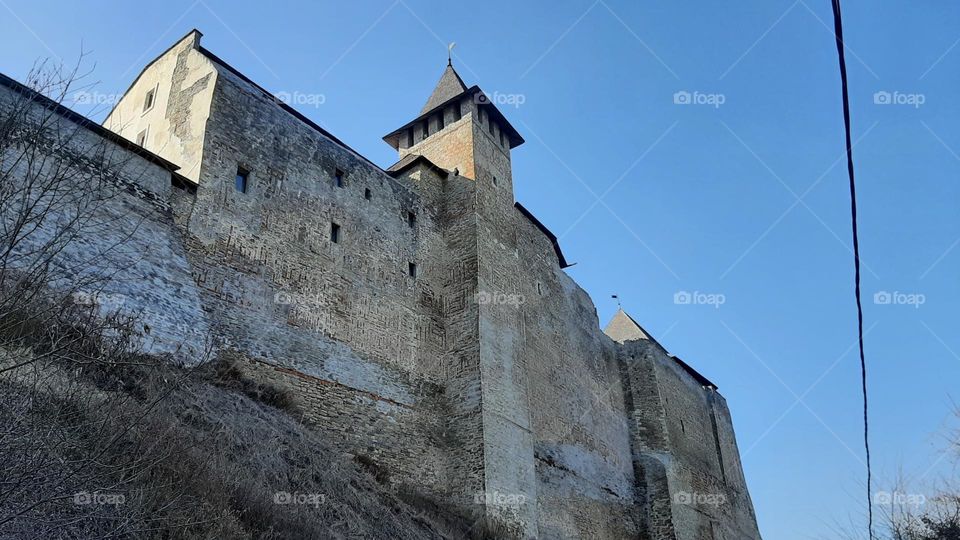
<point x="438" y="336"/>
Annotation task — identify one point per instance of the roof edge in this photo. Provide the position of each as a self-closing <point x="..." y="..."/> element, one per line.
<point x="85" y="122"/>
<point x="550" y="236"/>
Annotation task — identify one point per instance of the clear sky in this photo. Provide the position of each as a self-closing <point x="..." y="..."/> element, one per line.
<point x="740" y="196"/>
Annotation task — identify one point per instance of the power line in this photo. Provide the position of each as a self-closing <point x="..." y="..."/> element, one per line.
<point x="838" y="31"/>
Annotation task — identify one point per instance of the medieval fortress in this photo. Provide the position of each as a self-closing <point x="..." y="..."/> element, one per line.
<point x="418" y="314"/>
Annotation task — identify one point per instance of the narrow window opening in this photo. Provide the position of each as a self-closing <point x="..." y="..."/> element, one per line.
<point x="142" y="138"/>
<point x="148" y="99"/>
<point x="440" y="121"/>
<point x="411" y="219"/>
<point x="409" y="137"/>
<point x="367" y="194"/>
<point x="683" y="428"/>
<point x="494" y="179"/>
<point x="334" y="233"/>
<point x="242" y="176"/>
<point x="412" y="270"/>
<point x="539" y="289"/>
<point x="338" y="178"/>
<point x="490" y="127"/>
<point x="426" y="129"/>
<point x="457" y="111"/>
<point x="501" y="139"/>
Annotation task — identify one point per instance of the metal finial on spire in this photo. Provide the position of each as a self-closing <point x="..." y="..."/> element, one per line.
<point x="617" y="298"/>
<point x="450" y="52"/>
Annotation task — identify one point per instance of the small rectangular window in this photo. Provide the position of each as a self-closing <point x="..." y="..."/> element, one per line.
<point x="142" y="138"/>
<point x="149" y="98"/>
<point x="412" y="270"/>
<point x="410" y="137"/>
<point x="479" y="115"/>
<point x="457" y="111"/>
<point x="425" y="129"/>
<point x="338" y="178"/>
<point x="494" y="179"/>
<point x="242" y="176"/>
<point x="334" y="233"/>
<point x="490" y="127"/>
<point x="440" y="121"/>
<point x="501" y="138"/>
<point x="411" y="219"/>
<point x="367" y="194"/>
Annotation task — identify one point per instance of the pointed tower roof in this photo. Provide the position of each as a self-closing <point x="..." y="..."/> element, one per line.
<point x="623" y="328"/>
<point x="448" y="87"/>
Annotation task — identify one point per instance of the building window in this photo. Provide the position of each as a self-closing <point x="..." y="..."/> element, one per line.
<point x="411" y="219"/>
<point x="142" y="137"/>
<point x="338" y="178"/>
<point x="490" y="127"/>
<point x="367" y="194"/>
<point x="501" y="139"/>
<point x="409" y="137"/>
<point x="494" y="179"/>
<point x="457" y="111"/>
<point x="426" y="129"/>
<point x="412" y="270"/>
<point x="334" y="233"/>
<point x="149" y="99"/>
<point x="242" y="176"/>
<point x="539" y="288"/>
<point x="440" y="121"/>
<point x="479" y="115"/>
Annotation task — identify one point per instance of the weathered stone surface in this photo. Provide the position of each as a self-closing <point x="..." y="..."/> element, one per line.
<point x="483" y="379"/>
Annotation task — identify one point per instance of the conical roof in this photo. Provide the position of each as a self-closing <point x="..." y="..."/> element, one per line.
<point x="449" y="86"/>
<point x="623" y="328"/>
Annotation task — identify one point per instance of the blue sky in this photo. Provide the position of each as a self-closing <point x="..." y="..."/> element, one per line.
<point x="741" y="196"/>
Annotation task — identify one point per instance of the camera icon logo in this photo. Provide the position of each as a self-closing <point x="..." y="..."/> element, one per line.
<point x="882" y="298"/>
<point x="682" y="98"/>
<point x="682" y="298"/>
<point x="882" y="98"/>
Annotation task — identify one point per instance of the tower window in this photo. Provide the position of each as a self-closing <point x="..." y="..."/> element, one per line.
<point x="149" y="99"/>
<point x="242" y="176"/>
<point x="142" y="137"/>
<point x="338" y="178"/>
<point x="539" y="288"/>
<point x="490" y="127"/>
<point x="501" y="138"/>
<point x="334" y="233"/>
<point x="367" y="194"/>
<point x="412" y="270"/>
<point x="411" y="219"/>
<point x="457" y="111"/>
<point x="494" y="179"/>
<point x="426" y="129"/>
<point x="440" y="121"/>
<point x="410" y="137"/>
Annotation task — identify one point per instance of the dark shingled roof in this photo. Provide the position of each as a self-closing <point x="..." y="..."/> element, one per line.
<point x="410" y="160"/>
<point x="449" y="86"/>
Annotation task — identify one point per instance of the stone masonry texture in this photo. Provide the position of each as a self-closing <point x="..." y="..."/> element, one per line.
<point x="435" y="334"/>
